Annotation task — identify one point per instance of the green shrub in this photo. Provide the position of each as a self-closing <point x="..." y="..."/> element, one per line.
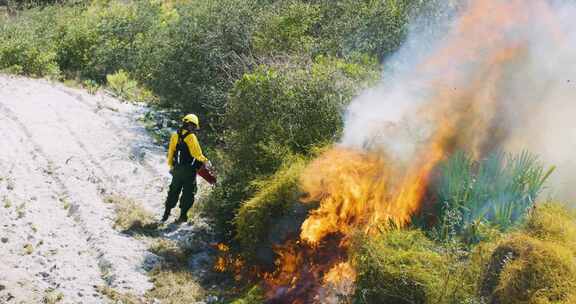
<point x="286" y="28"/>
<point x="25" y="47"/>
<point x="274" y="111"/>
<point x="126" y="88"/>
<point x="121" y="84"/>
<point x="124" y="34"/>
<point x="21" y="57"/>
<point x="207" y="48"/>
<point x="91" y="86"/>
<point x="377" y="28"/>
<point x="75" y="38"/>
<point x="405" y="267"/>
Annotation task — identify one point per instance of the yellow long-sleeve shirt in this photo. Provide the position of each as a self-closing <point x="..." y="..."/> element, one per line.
<point x="192" y="143"/>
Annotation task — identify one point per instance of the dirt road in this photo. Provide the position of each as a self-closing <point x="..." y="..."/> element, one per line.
<point x="61" y="152"/>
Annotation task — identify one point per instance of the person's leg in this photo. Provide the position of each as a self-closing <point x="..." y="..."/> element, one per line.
<point x="173" y="193"/>
<point x="188" y="192"/>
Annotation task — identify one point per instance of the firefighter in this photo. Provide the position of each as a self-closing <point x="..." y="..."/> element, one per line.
<point x="185" y="158"/>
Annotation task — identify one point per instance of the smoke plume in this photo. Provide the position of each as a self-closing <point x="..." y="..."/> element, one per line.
<point x="501" y="73"/>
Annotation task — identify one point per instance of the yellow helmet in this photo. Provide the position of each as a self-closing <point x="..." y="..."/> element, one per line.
<point x="191" y="118"/>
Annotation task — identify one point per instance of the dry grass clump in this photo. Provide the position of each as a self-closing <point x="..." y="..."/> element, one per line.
<point x="52" y="296"/>
<point x="553" y="222"/>
<point x="536" y="264"/>
<point x="131" y="218"/>
<point x="406" y="267"/>
<point x="171" y="287"/>
<point x="169" y="251"/>
<point x="524" y="269"/>
<point x="118" y="297"/>
<point x="173" y="283"/>
<point x="175" y="286"/>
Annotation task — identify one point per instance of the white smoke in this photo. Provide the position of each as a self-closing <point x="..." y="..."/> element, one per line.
<point x="536" y="92"/>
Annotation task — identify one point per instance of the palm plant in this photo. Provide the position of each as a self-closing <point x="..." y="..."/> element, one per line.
<point x="496" y="191"/>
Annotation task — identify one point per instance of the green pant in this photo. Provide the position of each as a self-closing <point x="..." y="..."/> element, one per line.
<point x="183" y="180"/>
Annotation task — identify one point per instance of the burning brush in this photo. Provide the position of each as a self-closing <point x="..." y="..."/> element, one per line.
<point x="462" y="97"/>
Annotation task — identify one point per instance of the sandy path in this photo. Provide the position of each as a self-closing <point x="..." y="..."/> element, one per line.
<point x="61" y="151"/>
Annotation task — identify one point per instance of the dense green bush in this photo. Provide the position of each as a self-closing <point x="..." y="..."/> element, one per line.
<point x="274" y="111"/>
<point x="125" y="34"/>
<point x="74" y="39"/>
<point x="286" y="28"/>
<point x="207" y="48"/>
<point x="350" y="27"/>
<point x="25" y="46"/>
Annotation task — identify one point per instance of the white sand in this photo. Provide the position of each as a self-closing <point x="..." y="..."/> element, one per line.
<point x="58" y="147"/>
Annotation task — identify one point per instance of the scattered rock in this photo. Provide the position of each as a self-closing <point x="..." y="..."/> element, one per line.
<point x="4" y="240"/>
<point x="44" y="274"/>
<point x="200" y="265"/>
<point x="150" y="261"/>
<point x="2" y="287"/>
<point x="9" y="297"/>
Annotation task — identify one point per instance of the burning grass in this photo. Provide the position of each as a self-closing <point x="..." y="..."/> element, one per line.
<point x="352" y="250"/>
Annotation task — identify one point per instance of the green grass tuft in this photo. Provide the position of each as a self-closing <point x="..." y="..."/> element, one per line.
<point x="254" y="295"/>
<point x="275" y="198"/>
<point x="405" y="267"/>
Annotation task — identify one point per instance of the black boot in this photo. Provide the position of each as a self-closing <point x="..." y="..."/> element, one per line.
<point x="182" y="219"/>
<point x="166" y="215"/>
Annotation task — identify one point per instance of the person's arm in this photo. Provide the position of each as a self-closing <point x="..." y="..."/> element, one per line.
<point x="194" y="147"/>
<point x="172" y="149"/>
